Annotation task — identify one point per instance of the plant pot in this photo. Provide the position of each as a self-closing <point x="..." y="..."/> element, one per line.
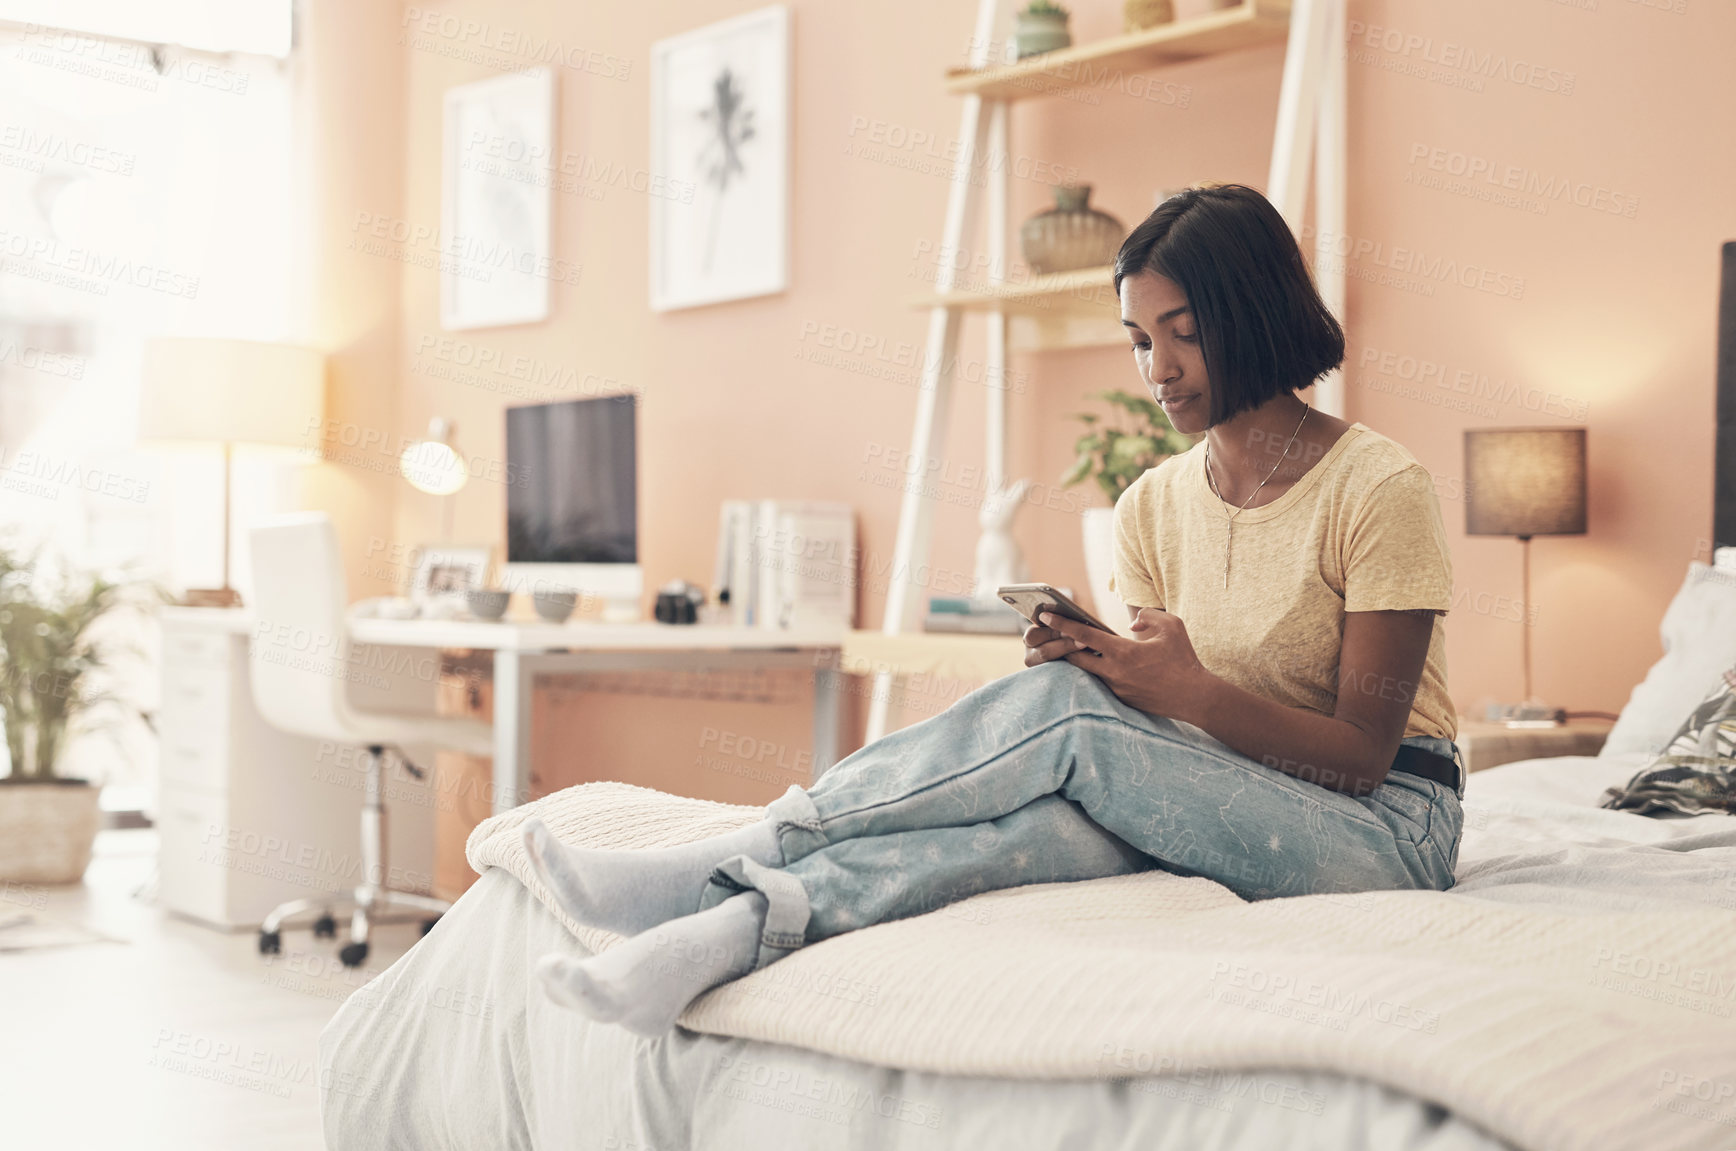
<point x="1037" y="32"/>
<point x="1099" y="524"/>
<point x="1070" y="235"/>
<point x="46" y="830"/>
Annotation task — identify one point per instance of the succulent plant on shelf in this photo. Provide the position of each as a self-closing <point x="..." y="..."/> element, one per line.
<point x="1038" y="28"/>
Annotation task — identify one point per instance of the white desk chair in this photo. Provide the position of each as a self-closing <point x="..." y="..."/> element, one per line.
<point x="298" y="659"/>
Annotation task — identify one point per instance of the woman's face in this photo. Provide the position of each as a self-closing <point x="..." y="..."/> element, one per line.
<point x="1166" y="347"/>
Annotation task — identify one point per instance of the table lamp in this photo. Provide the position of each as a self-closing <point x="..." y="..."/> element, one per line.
<point x="1525" y="482"/>
<point x="230" y="392"/>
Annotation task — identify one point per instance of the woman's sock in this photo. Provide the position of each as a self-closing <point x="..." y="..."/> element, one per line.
<point x="632" y="891"/>
<point x="646" y="983"/>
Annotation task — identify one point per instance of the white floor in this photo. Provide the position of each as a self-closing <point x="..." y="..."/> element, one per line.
<point x="180" y="1037"/>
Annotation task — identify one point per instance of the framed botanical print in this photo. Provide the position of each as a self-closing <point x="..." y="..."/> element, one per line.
<point x="720" y="170"/>
<point x="495" y="255"/>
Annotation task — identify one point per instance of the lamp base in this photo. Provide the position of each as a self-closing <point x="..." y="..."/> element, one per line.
<point x="211" y="597"/>
<point x="1525" y="715"/>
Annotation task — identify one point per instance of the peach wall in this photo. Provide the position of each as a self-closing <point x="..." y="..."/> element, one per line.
<point x="1615" y="316"/>
<point x="349" y="151"/>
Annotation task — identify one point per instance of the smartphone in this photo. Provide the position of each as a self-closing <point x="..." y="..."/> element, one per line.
<point x="1028" y="599"/>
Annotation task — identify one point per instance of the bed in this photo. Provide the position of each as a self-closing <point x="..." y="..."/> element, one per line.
<point x="1574" y="989"/>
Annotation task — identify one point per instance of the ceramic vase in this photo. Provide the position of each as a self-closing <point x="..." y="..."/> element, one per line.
<point x="1138" y="15"/>
<point x="1099" y="530"/>
<point x="1194" y="9"/>
<point x="1070" y="235"/>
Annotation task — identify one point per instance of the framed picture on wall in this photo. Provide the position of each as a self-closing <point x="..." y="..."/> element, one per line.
<point x="496" y="259"/>
<point x="720" y="169"/>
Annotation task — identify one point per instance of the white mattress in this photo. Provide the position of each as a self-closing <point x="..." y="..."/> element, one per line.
<point x="454" y="1047"/>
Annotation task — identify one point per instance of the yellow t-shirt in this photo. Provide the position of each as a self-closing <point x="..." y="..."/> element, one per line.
<point x="1360" y="531"/>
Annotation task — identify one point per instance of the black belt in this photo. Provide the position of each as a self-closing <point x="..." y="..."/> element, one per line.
<point x="1414" y="760"/>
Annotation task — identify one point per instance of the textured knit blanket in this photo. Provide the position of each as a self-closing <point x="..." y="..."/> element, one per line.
<point x="1552" y="1025"/>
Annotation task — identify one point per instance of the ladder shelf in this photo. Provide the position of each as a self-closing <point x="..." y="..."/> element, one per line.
<point x="1079" y="309"/>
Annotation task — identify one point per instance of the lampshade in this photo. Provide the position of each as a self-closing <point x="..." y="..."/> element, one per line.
<point x="232" y="391"/>
<point x="1525" y="482"/>
<point x="433" y="465"/>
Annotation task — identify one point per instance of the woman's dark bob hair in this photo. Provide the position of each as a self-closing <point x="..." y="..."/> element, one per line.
<point x="1264" y="329"/>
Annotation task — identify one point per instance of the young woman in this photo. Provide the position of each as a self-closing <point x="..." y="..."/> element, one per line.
<point x="1279" y="722"/>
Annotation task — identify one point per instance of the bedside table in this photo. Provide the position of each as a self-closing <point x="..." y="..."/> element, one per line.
<point x="1486" y="745"/>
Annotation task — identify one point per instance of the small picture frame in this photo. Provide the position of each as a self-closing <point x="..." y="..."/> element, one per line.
<point x="444" y="574"/>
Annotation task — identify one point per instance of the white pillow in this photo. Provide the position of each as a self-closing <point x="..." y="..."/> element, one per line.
<point x="1699" y="635"/>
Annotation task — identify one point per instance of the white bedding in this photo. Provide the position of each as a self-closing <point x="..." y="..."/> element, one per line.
<point x="449" y="1049"/>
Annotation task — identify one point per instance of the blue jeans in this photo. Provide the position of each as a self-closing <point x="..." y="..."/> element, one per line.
<point x="1046" y="776"/>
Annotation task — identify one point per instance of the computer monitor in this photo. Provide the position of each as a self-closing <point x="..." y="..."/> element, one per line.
<point x="572" y="503"/>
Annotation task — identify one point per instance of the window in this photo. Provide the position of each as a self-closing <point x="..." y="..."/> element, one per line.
<point x="144" y="191"/>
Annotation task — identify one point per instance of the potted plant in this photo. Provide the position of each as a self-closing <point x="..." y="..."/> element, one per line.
<point x="1115" y="454"/>
<point x="1039" y="28"/>
<point x="51" y="661"/>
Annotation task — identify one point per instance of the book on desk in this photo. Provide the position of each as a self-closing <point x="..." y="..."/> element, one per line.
<point x="784" y="563"/>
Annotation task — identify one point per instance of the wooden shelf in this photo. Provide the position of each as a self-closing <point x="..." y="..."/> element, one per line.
<point x="1087" y="291"/>
<point x="948" y="655"/>
<point x="1075" y="309"/>
<point x="1103" y="63"/>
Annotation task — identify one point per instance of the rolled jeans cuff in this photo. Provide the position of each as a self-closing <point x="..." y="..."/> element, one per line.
<point x="787" y="908"/>
<point x="798" y="824"/>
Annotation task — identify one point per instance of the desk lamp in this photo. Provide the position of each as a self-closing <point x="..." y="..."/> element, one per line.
<point x="434" y="466"/>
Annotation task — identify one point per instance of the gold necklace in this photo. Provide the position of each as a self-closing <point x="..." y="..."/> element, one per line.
<point x="1230" y="528"/>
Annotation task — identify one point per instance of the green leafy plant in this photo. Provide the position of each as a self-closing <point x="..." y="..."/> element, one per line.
<point x="52" y="657"/>
<point x="1045" y="8"/>
<point x="1117" y="453"/>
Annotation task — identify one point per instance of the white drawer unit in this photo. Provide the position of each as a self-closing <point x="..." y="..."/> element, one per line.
<point x="248" y="816"/>
<point x="186" y="880"/>
<point x="187" y="646"/>
<point x="193" y="757"/>
<point x="196" y="687"/>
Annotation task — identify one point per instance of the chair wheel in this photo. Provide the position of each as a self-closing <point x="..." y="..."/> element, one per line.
<point x="325" y="927"/>
<point x="353" y="954"/>
<point x="270" y="942"/>
<point x="428" y="924"/>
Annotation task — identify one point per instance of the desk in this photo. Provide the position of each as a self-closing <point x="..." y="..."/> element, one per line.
<point x="525" y="650"/>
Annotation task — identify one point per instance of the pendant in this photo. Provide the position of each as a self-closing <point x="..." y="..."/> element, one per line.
<point x="1229" y="533"/>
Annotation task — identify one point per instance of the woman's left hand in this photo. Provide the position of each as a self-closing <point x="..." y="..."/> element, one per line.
<point x="1157" y="673"/>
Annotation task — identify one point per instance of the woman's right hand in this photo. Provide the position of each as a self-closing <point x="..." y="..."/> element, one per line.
<point x="1043" y="644"/>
